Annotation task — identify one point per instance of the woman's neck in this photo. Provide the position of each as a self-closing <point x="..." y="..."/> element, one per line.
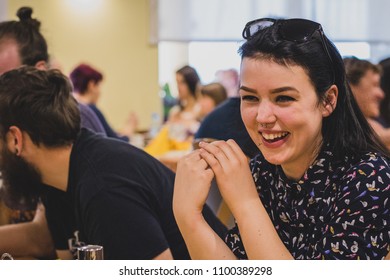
<point x="83" y="98"/>
<point x="189" y="104"/>
<point x="295" y="170"/>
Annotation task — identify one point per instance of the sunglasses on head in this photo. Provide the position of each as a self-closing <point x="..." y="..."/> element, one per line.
<point x="294" y="30"/>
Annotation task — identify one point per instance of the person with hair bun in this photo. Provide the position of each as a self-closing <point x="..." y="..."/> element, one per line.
<point x="21" y="43"/>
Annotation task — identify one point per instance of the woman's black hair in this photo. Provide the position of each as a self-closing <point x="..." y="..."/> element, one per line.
<point x="385" y="85"/>
<point x="346" y="130"/>
<point x="25" y="32"/>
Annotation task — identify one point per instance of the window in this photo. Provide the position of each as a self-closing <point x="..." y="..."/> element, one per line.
<point x="209" y="57"/>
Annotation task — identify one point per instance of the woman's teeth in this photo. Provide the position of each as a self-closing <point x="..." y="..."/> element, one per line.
<point x="274" y="136"/>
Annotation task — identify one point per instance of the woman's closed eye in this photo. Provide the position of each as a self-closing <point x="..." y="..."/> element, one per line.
<point x="249" y="98"/>
<point x="284" y="98"/>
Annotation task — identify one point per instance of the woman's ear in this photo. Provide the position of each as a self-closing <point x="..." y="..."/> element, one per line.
<point x="330" y="102"/>
<point x="91" y="85"/>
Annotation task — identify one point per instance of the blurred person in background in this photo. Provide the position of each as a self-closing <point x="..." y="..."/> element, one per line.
<point x="364" y="78"/>
<point x="211" y="95"/>
<point x="229" y="78"/>
<point x="384" y="118"/>
<point x="176" y="135"/>
<point x="86" y="81"/>
<point x="188" y="84"/>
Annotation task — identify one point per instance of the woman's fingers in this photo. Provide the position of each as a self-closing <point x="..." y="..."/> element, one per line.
<point x="221" y="155"/>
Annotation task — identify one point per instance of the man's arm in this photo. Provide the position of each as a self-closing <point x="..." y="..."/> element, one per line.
<point x="166" y="255"/>
<point x="30" y="239"/>
<point x="64" y="255"/>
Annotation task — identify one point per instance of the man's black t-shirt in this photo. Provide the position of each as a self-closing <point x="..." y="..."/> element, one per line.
<point x="118" y="197"/>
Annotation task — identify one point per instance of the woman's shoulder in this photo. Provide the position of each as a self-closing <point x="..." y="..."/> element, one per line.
<point x="371" y="161"/>
<point x="365" y="187"/>
<point x="371" y="171"/>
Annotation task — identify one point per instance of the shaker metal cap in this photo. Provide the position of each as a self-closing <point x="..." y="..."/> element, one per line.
<point x="90" y="252"/>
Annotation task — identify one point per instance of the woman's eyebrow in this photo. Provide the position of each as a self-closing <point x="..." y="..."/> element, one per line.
<point x="283" y="89"/>
<point x="276" y="90"/>
<point x="248" y="89"/>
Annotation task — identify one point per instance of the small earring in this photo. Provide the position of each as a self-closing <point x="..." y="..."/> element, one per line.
<point x="17" y="151"/>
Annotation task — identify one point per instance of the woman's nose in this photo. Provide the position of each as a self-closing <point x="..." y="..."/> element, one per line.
<point x="265" y="113"/>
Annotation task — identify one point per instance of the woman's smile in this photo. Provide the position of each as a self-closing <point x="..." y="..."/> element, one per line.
<point x="274" y="139"/>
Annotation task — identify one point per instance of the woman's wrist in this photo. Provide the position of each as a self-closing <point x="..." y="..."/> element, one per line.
<point x="190" y="221"/>
<point x="246" y="208"/>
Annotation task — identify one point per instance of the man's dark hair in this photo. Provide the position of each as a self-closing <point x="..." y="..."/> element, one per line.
<point x="40" y="103"/>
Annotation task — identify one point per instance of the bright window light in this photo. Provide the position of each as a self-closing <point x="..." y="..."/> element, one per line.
<point x="359" y="49"/>
<point x="209" y="57"/>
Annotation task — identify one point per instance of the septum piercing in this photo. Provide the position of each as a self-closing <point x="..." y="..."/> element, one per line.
<point x="263" y="125"/>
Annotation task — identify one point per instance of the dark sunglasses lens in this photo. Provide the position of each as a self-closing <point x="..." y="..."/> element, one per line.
<point x="298" y="30"/>
<point x="256" y="26"/>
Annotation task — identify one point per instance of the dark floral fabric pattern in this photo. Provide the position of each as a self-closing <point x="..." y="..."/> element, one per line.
<point x="336" y="211"/>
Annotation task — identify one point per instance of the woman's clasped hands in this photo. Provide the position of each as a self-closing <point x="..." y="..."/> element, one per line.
<point x="222" y="160"/>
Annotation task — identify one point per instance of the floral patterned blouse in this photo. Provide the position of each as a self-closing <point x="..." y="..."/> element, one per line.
<point x="336" y="211"/>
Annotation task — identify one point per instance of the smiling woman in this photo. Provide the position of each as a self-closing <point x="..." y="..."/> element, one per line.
<point x="282" y="116"/>
<point x="305" y="195"/>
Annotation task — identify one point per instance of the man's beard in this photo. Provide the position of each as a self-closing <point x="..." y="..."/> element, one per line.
<point x="22" y="183"/>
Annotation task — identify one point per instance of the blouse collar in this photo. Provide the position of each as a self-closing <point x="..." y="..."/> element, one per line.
<point x="317" y="174"/>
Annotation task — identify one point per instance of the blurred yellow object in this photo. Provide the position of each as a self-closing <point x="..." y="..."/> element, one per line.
<point x="5" y="214"/>
<point x="163" y="144"/>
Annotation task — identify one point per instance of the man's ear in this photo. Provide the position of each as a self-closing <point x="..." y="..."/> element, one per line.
<point x="14" y="139"/>
<point x="330" y="102"/>
<point x="41" y="65"/>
